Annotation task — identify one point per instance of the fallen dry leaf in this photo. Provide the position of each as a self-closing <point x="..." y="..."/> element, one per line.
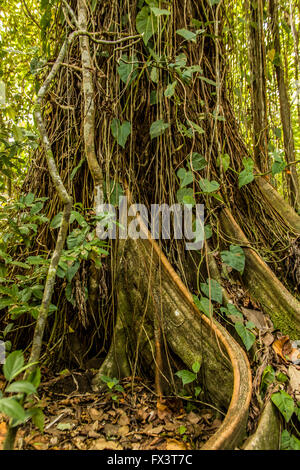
<point x="102" y="444"/>
<point x="282" y="347"/>
<point x="193" y="418"/>
<point x="123" y="430"/>
<point x="162" y="410"/>
<point x="95" y="414"/>
<point x="173" y="444"/>
<point x="123" y="420"/>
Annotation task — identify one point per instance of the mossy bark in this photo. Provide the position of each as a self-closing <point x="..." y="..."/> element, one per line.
<point x="263" y="285"/>
<point x="147" y="284"/>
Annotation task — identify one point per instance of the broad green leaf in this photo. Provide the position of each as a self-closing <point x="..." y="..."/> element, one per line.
<point x="35" y="377"/>
<point x="37" y="417"/>
<point x="186" y="177"/>
<point x="247" y="175"/>
<point x="128" y="68"/>
<point x="204" y="305"/>
<point x="120" y="131"/>
<point x="154" y="75"/>
<point x="247" y="336"/>
<point x="234" y="258"/>
<point x="21" y="386"/>
<point x="196" y="367"/>
<point x="160" y="12"/>
<point x="56" y="221"/>
<point x="170" y="90"/>
<point x="12" y="408"/>
<point x="29" y="199"/>
<point x="158" y="128"/>
<point x="232" y="312"/>
<point x="182" y="193"/>
<point x="36" y="208"/>
<point x="6" y="303"/>
<point x="224" y="159"/>
<point x="207" y="231"/>
<point x="289" y="441"/>
<point x="36" y="260"/>
<point x="13" y="365"/>
<point x="186" y="376"/>
<point x="198" y="161"/>
<point x="196" y="127"/>
<point x="279" y="163"/>
<point x="187" y="35"/>
<point x="268" y="377"/>
<point x="146" y="23"/>
<point x="213" y="288"/>
<point x="208" y="80"/>
<point x="284" y="403"/>
<point x="208" y="186"/>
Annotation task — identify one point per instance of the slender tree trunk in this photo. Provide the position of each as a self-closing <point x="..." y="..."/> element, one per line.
<point x="258" y="83"/>
<point x="285" y="111"/>
<point x="295" y="33"/>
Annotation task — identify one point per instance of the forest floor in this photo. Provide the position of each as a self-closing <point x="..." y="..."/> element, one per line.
<point x="78" y="418"/>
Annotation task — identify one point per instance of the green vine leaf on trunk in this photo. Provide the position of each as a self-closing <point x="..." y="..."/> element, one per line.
<point x="208" y="186"/>
<point x="246" y="335"/>
<point x="187" y="35"/>
<point x="246" y="176"/>
<point x="186" y="376"/>
<point x="128" y="68"/>
<point x="158" y="128"/>
<point x="120" y="131"/>
<point x="160" y="12"/>
<point x="198" y="162"/>
<point x="170" y="90"/>
<point x="284" y="403"/>
<point x="212" y="290"/>
<point x="223" y="161"/>
<point x="235" y="258"/>
<point x="204" y="305"/>
<point x="186" y="177"/>
<point x="146" y="23"/>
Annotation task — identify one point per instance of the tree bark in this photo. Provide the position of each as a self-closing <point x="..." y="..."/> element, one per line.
<point x="285" y="111"/>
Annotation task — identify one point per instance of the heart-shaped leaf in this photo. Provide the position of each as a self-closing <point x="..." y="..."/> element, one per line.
<point x="120" y="131"/>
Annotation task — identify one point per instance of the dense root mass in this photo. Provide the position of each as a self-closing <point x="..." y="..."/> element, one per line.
<point x="137" y="309"/>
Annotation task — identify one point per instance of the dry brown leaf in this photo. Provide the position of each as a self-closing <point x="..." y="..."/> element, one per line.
<point x="123" y="420"/>
<point x="102" y="444"/>
<point x="156" y="430"/>
<point x="162" y="410"/>
<point x="111" y="429"/>
<point x="193" y="418"/>
<point x="123" y="430"/>
<point x="255" y="316"/>
<point x="96" y="414"/>
<point x="173" y="444"/>
<point x="282" y="347"/>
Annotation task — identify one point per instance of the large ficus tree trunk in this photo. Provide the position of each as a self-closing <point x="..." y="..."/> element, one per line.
<point x="141" y="93"/>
